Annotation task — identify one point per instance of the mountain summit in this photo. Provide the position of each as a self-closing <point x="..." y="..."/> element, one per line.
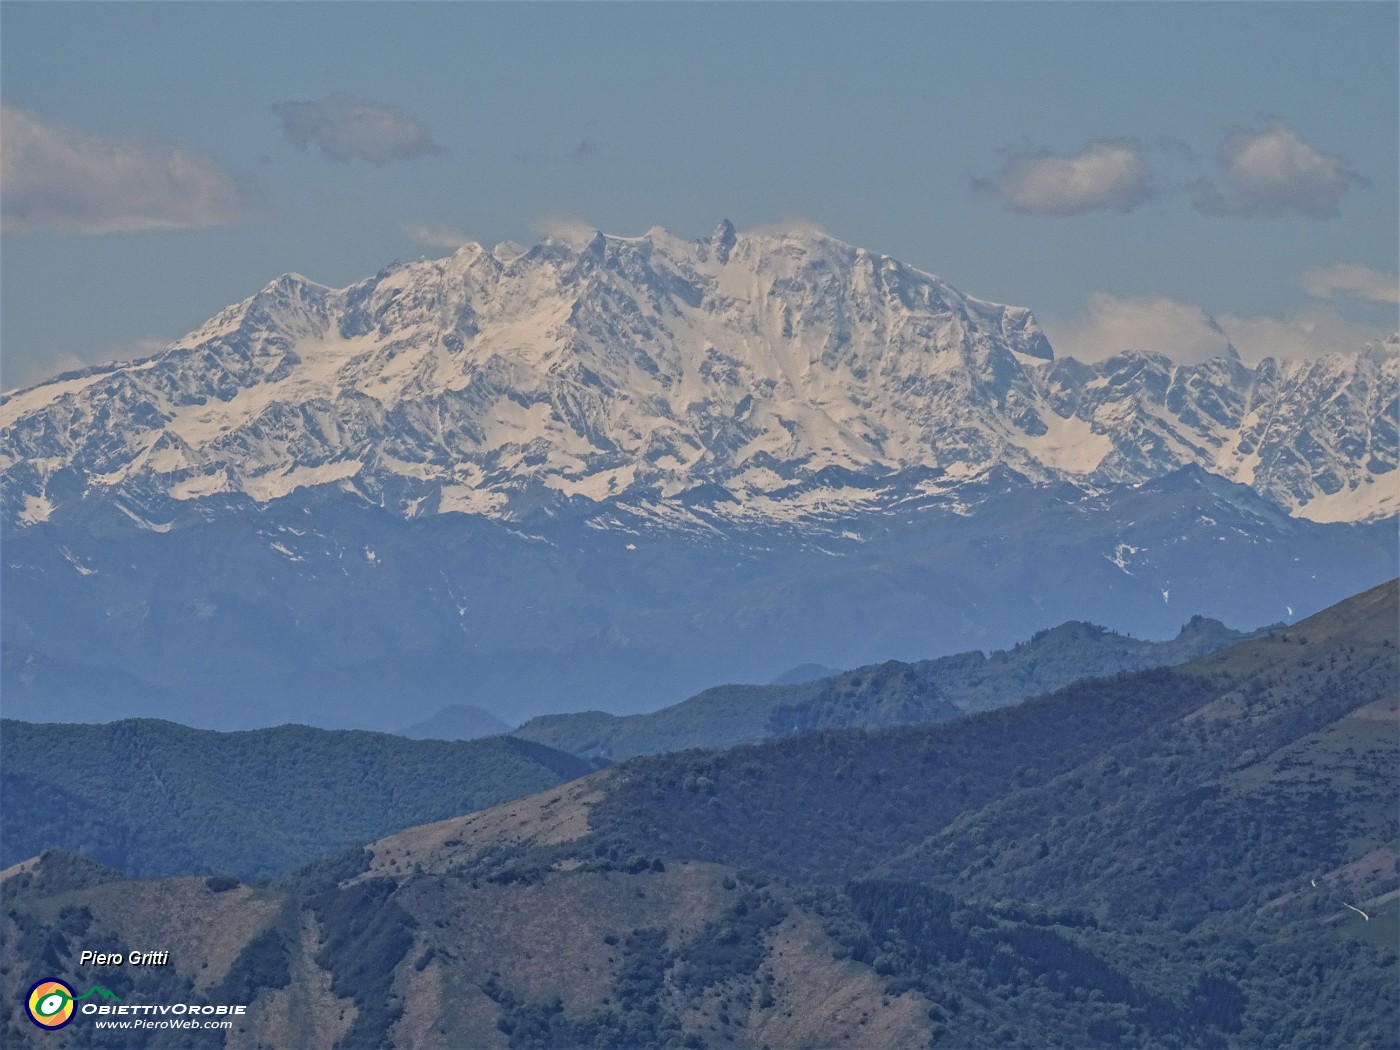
<point x="751" y="376"/>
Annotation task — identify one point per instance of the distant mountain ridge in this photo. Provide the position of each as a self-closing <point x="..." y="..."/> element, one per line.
<point x="318" y="608"/>
<point x="749" y="377"/>
<point x="878" y="696"/>
<point x="1199" y="856"/>
<point x="802" y="673"/>
<point x="1238" y="718"/>
<point x="457" y="722"/>
<point x="155" y="798"/>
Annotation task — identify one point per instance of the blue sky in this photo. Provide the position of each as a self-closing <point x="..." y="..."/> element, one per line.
<point x="1137" y="174"/>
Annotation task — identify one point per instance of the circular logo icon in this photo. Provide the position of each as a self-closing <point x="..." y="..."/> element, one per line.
<point x="50" y="1004"/>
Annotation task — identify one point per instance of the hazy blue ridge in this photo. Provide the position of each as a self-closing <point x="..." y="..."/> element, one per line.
<point x="156" y="798"/>
<point x="894" y="693"/>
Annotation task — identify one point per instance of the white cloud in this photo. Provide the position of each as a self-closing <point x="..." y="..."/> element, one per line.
<point x="1352" y="279"/>
<point x="56" y="178"/>
<point x="1275" y="173"/>
<point x="1187" y="334"/>
<point x="789" y="226"/>
<point x="1309" y="332"/>
<point x="30" y="367"/>
<point x="346" y="128"/>
<point x="21" y="371"/>
<point x="1111" y="325"/>
<point x="434" y="236"/>
<point x="1108" y="175"/>
<point x="566" y="229"/>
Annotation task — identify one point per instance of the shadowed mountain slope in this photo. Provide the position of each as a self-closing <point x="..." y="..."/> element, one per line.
<point x="878" y="696"/>
<point x="1200" y="856"/>
<point x="157" y="798"/>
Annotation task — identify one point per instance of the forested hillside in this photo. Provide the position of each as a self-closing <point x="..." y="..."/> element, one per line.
<point x="156" y="798"/>
<point x="1203" y="856"/>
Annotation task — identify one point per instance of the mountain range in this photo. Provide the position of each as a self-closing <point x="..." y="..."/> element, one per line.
<point x="1197" y="856"/>
<point x="880" y="696"/>
<point x="156" y="798"/>
<point x="755" y="377"/>
<point x="608" y="472"/>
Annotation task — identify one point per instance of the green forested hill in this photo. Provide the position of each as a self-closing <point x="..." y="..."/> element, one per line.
<point x="151" y="797"/>
<point x="1207" y="855"/>
<point x="878" y="696"/>
<point x="1203" y="856"/>
<point x="1117" y="762"/>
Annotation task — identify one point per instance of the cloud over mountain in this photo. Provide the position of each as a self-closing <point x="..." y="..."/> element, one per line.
<point x="1311" y="332"/>
<point x="60" y="179"/>
<point x="1188" y="334"/>
<point x="344" y="128"/>
<point x="1269" y="174"/>
<point x="434" y="235"/>
<point x="1107" y="175"/>
<point x="1182" y="331"/>
<point x="1352" y="279"/>
<point x="1275" y="173"/>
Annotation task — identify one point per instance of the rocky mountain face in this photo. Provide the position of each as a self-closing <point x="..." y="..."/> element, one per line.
<point x="748" y="377"/>
<point x="611" y="472"/>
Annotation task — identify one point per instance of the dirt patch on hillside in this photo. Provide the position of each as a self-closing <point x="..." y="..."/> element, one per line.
<point x="444" y="1005"/>
<point x="544" y="819"/>
<point x="1383" y="710"/>
<point x="202" y="930"/>
<point x="1368" y="875"/>
<point x="820" y="1001"/>
<point x="24" y="867"/>
<point x="306" y="1013"/>
<point x="552" y="938"/>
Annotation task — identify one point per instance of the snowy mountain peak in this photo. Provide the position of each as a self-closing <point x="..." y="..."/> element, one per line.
<point x="722" y="240"/>
<point x="759" y="375"/>
<point x="508" y="251"/>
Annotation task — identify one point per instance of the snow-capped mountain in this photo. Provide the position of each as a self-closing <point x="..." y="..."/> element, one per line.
<point x="608" y="472"/>
<point x="750" y="377"/>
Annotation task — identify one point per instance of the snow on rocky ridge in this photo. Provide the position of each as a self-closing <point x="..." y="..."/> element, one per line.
<point x="764" y="376"/>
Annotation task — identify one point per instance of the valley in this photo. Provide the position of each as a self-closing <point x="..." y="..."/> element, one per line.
<point x="1170" y="857"/>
